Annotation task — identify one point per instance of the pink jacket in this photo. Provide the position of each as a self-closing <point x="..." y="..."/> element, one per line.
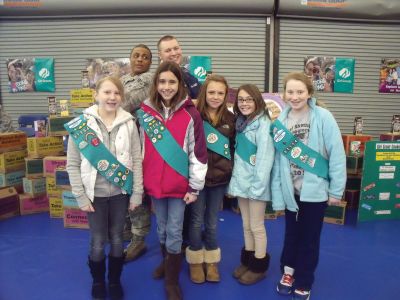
<point x="186" y="126"/>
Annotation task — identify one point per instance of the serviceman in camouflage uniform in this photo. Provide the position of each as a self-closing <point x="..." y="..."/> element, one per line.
<point x="137" y="89"/>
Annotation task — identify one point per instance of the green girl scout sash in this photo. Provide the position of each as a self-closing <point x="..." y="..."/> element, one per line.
<point x="297" y="152"/>
<point x="98" y="155"/>
<point x="245" y="149"/>
<point x="216" y="141"/>
<point x="164" y="143"/>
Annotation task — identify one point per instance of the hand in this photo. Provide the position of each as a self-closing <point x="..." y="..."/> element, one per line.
<point x="132" y="206"/>
<point x="333" y="201"/>
<point x="189" y="198"/>
<point x="88" y="208"/>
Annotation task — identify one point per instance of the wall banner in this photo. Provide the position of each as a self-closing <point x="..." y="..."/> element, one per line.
<point x="389" y="75"/>
<point x="200" y="67"/>
<point x="30" y="74"/>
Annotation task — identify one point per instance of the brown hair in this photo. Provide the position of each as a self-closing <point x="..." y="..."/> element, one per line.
<point x="165" y="38"/>
<point x="300" y="76"/>
<point x="259" y="102"/>
<point x="155" y="97"/>
<point x="202" y="105"/>
<point x="115" y="81"/>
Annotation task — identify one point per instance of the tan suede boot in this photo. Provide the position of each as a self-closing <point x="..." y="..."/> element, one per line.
<point x="244" y="263"/>
<point x="134" y="250"/>
<point x="257" y="270"/>
<point x="211" y="259"/>
<point x="195" y="260"/>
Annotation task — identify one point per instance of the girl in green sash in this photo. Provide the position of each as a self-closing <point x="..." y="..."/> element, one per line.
<point x="219" y="126"/>
<point x="250" y="183"/>
<point x="308" y="174"/>
<point x="103" y="152"/>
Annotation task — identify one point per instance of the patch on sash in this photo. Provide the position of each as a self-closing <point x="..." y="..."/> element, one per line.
<point x="252" y="160"/>
<point x="212" y="138"/>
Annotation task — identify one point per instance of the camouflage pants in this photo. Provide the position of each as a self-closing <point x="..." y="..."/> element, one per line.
<point x="139" y="221"/>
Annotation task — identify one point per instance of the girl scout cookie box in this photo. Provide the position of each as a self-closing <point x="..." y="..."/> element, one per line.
<point x="34" y="187"/>
<point x="74" y="217"/>
<point x="9" y="203"/>
<point x="51" y="163"/>
<point x="31" y="205"/>
<point x="44" y="146"/>
<point x="11" y="141"/>
<point x="33" y="167"/>
<point x="12" y="161"/>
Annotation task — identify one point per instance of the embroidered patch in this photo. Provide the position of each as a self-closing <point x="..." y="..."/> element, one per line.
<point x="102" y="165"/>
<point x="83" y="145"/>
<point x="279" y="135"/>
<point x="295" y="153"/>
<point x="212" y="138"/>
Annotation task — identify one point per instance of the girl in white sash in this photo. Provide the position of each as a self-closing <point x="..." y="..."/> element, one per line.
<point x="305" y="193"/>
<point x="250" y="183"/>
<point x="106" y="203"/>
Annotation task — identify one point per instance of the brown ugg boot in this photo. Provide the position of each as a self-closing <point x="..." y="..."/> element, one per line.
<point x="257" y="270"/>
<point x="159" y="272"/>
<point x="211" y="259"/>
<point x="134" y="250"/>
<point x="195" y="260"/>
<point x="244" y="263"/>
<point x="173" y="264"/>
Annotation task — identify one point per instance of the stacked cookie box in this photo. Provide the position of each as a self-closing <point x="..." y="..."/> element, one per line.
<point x="12" y="170"/>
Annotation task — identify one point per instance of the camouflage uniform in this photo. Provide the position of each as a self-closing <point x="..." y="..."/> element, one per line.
<point x="137" y="89"/>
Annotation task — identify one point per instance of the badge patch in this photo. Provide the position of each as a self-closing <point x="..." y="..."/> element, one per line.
<point x="212" y="138"/>
<point x="295" y="153"/>
<point x="253" y="159"/>
<point x="102" y="165"/>
<point x="279" y="135"/>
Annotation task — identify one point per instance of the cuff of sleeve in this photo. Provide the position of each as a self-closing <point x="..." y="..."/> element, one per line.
<point x="193" y="191"/>
<point x="136" y="199"/>
<point x="335" y="196"/>
<point x="83" y="200"/>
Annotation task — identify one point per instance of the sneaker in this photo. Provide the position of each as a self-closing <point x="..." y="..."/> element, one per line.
<point x="285" y="285"/>
<point x="300" y="294"/>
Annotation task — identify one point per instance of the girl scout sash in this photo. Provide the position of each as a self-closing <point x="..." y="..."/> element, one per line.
<point x="98" y="155"/>
<point x="297" y="152"/>
<point x="164" y="143"/>
<point x="216" y="141"/>
<point x="245" y="149"/>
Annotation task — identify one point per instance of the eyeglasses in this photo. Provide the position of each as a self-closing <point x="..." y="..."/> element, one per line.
<point x="245" y="100"/>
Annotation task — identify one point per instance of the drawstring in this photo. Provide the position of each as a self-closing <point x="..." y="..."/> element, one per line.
<point x="297" y="215"/>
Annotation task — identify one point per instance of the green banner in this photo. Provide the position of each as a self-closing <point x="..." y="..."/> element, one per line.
<point x="199" y="67"/>
<point x="380" y="185"/>
<point x="344" y="75"/>
<point x="44" y="74"/>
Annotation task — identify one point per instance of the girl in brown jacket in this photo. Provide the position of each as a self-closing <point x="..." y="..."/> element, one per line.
<point x="219" y="127"/>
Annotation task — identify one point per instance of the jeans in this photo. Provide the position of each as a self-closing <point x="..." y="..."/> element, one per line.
<point x="205" y="211"/>
<point x="106" y="223"/>
<point x="169" y="215"/>
<point x="302" y="241"/>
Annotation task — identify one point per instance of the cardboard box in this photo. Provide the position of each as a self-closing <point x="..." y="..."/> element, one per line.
<point x="9" y="203"/>
<point x="56" y="207"/>
<point x="34" y="187"/>
<point x="354" y="164"/>
<point x="350" y="139"/>
<point x="12" y="141"/>
<point x="62" y="179"/>
<point x="12" y="178"/>
<point x="51" y="163"/>
<point x="389" y="137"/>
<point x="82" y="97"/>
<point x="69" y="200"/>
<point x="335" y="214"/>
<point x="31" y="205"/>
<point x="51" y="188"/>
<point x="45" y="146"/>
<point x="56" y="125"/>
<point x="75" y="218"/>
<point x="352" y="197"/>
<point x="12" y="161"/>
<point x="34" y="167"/>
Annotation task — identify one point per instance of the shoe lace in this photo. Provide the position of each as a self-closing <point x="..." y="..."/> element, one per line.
<point x="287" y="279"/>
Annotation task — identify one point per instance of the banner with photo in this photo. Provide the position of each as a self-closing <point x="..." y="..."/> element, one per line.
<point x="31" y="74"/>
<point x="100" y="67"/>
<point x="389" y="75"/>
<point x="330" y="74"/>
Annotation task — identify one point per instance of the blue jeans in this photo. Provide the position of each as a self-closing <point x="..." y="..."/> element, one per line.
<point x="169" y="215"/>
<point x="106" y="223"/>
<point x="205" y="211"/>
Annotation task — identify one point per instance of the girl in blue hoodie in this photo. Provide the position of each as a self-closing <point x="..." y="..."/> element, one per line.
<point x="250" y="182"/>
<point x="309" y="173"/>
